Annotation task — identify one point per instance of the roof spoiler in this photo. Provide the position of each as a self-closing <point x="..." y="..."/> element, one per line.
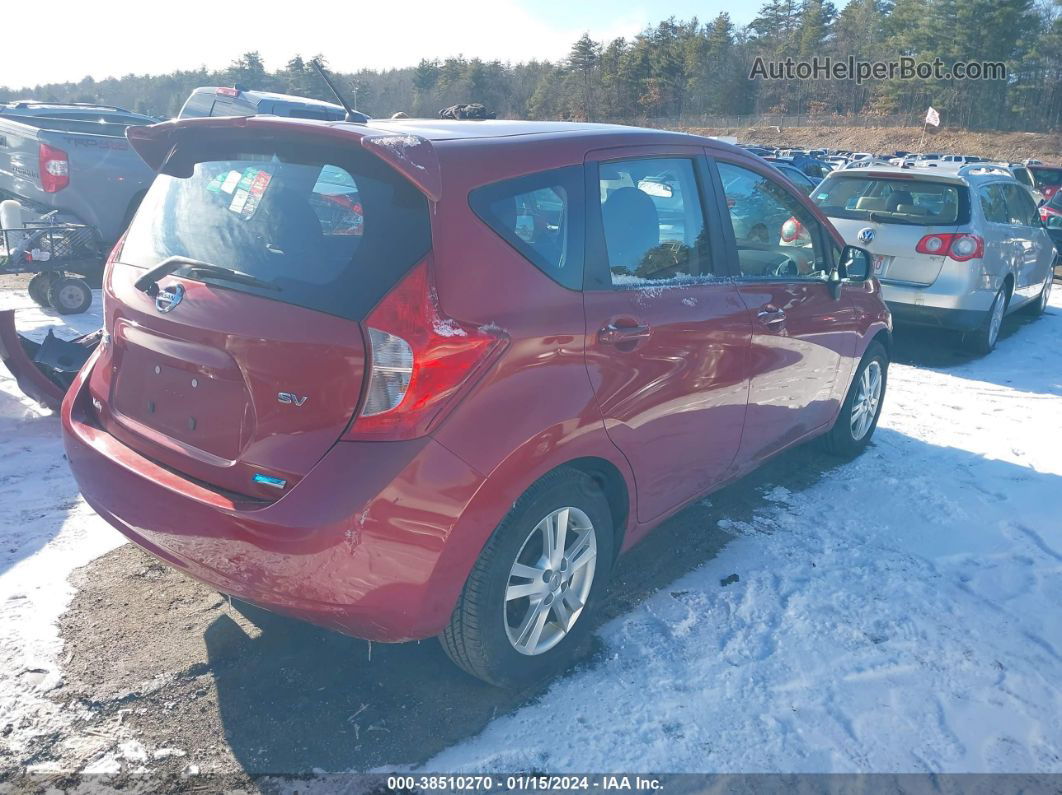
<point x="410" y="155"/>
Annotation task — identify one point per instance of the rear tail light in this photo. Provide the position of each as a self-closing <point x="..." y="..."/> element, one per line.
<point x="1046" y="212"/>
<point x="794" y="232"/>
<point x="54" y="168"/>
<point x="961" y="247"/>
<point x="418" y="359"/>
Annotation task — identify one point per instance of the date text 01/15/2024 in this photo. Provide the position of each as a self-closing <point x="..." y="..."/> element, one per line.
<point x="522" y="783"/>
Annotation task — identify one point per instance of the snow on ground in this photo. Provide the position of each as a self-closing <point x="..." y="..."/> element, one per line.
<point x="901" y="615"/>
<point x="46" y="531"/>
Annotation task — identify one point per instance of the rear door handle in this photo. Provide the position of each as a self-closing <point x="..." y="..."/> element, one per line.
<point x="613" y="334"/>
<point x="771" y="316"/>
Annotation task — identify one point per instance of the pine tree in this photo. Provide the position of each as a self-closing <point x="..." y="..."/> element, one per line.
<point x="582" y="60"/>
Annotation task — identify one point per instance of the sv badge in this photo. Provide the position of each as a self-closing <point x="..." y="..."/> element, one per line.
<point x="291" y="399"/>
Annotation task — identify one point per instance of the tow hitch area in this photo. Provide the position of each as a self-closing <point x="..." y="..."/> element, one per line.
<point x="44" y="371"/>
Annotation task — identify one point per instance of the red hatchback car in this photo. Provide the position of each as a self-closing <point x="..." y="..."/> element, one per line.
<point x="416" y="378"/>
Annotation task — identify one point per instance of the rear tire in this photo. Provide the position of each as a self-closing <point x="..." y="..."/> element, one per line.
<point x="984" y="339"/>
<point x="861" y="409"/>
<point x="69" y="295"/>
<point x="496" y="632"/>
<point x="1039" y="306"/>
<point x="38" y="289"/>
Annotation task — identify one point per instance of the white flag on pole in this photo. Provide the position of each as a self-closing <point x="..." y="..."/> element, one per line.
<point x="932" y="117"/>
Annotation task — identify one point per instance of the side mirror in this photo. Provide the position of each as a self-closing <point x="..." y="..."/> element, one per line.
<point x="855" y="264"/>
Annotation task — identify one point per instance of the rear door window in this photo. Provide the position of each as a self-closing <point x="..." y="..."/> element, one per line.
<point x="1023" y="176"/>
<point x="541" y="216"/>
<point x="322" y="227"/>
<point x="1021" y="209"/>
<point x="893" y="200"/>
<point x="993" y="203"/>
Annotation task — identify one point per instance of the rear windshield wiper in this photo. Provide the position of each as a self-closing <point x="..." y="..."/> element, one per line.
<point x="149" y="282"/>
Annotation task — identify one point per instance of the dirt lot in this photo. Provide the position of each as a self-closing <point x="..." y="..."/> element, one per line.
<point x="1010" y="146"/>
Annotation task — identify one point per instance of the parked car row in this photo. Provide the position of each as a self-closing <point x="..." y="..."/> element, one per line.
<point x="409" y="378"/>
<point x="957" y="242"/>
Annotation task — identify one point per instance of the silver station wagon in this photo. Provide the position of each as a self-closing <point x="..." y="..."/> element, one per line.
<point x="954" y="248"/>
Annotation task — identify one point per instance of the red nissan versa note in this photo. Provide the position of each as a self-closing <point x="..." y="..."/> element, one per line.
<point x="420" y="378"/>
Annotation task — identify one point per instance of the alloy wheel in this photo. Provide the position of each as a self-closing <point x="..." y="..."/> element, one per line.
<point x="865" y="404"/>
<point x="550" y="581"/>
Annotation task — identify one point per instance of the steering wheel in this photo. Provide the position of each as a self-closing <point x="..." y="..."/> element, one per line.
<point x="787" y="267"/>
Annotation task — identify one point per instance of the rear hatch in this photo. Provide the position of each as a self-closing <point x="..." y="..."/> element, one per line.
<point x="247" y="363"/>
<point x="888" y="213"/>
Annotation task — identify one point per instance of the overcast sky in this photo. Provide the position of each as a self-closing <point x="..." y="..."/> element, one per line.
<point x="63" y="41"/>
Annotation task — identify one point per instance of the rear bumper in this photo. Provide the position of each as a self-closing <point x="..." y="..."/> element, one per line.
<point x="357" y="545"/>
<point x="937" y="317"/>
<point x="30" y="379"/>
<point x="943" y="304"/>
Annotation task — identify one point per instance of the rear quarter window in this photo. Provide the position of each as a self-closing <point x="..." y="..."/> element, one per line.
<point x="542" y="217"/>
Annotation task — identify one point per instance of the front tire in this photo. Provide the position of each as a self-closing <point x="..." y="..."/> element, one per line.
<point x="859" y="414"/>
<point x="524" y="610"/>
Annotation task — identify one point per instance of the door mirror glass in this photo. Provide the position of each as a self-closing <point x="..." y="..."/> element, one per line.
<point x="855" y="263"/>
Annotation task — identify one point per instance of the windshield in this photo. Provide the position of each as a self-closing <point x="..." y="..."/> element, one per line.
<point x="893" y="200"/>
<point x="323" y="227"/>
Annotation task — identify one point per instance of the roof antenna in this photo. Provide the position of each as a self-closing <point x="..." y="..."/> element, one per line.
<point x="352" y="115"/>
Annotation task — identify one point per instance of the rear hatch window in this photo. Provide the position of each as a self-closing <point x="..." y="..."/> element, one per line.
<point x="894" y="200"/>
<point x="254" y="368"/>
<point x="898" y="212"/>
<point x="327" y="228"/>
